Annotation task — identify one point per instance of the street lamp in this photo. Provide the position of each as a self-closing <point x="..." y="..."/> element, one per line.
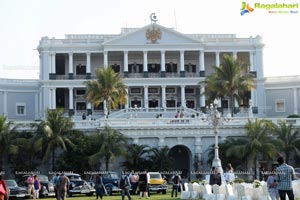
<point x="214" y="118"/>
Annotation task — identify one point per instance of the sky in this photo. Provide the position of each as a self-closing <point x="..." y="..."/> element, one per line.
<point x="24" y="22"/>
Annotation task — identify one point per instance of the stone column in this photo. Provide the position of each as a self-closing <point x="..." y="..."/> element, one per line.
<point x="182" y="71"/>
<point x="251" y="57"/>
<point x="202" y="97"/>
<point x="163" y="97"/>
<point x="217" y="59"/>
<point x="127" y="99"/>
<point x="163" y="64"/>
<point x="295" y="101"/>
<point x="71" y="74"/>
<point x="234" y="55"/>
<point x="146" y="97"/>
<point x="145" y="63"/>
<point x="105" y="54"/>
<point x="53" y="63"/>
<point x="88" y="65"/>
<point x="126" y="63"/>
<point x="201" y="64"/>
<point x="40" y="104"/>
<point x="198" y="152"/>
<point x="71" y="105"/>
<point x="183" y="102"/>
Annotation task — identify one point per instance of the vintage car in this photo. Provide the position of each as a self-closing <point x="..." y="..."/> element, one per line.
<point x="111" y="182"/>
<point x="157" y="183"/>
<point x="15" y="191"/>
<point x="79" y="186"/>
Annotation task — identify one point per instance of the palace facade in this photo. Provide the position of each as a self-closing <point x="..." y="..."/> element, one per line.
<point x="162" y="69"/>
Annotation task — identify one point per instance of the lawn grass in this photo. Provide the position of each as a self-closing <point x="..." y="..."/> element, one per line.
<point x="117" y="196"/>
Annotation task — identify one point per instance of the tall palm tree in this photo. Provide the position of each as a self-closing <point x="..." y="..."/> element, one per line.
<point x="229" y="80"/>
<point x="135" y="157"/>
<point x="108" y="89"/>
<point x="113" y="144"/>
<point x="53" y="134"/>
<point x="289" y="139"/>
<point x="258" y="142"/>
<point x="7" y="145"/>
<point x="160" y="158"/>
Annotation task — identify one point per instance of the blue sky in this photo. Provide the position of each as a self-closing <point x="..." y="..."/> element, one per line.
<point x="24" y="22"/>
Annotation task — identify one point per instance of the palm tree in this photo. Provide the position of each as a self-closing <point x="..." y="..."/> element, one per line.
<point x="107" y="89"/>
<point x="136" y="156"/>
<point x="160" y="158"/>
<point x="53" y="133"/>
<point x="289" y="139"/>
<point x="7" y="145"/>
<point x="258" y="142"/>
<point x="229" y="80"/>
<point x="113" y="144"/>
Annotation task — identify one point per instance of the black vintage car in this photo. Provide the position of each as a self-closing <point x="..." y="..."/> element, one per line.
<point x="15" y="191"/>
<point x="79" y="186"/>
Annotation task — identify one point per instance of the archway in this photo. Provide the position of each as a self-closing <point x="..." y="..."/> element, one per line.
<point x="180" y="156"/>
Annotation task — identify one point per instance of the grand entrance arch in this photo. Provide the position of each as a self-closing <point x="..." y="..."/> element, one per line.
<point x="180" y="156"/>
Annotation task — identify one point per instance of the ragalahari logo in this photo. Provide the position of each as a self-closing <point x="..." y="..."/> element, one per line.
<point x="246" y="8"/>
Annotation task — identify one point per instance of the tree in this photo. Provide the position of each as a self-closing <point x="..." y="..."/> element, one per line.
<point x="229" y="80"/>
<point x="258" y="142"/>
<point x="160" y="159"/>
<point x="7" y="139"/>
<point x="112" y="144"/>
<point x="107" y="89"/>
<point x="289" y="139"/>
<point x="53" y="133"/>
<point x="136" y="156"/>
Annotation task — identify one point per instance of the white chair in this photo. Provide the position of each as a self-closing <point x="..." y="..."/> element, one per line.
<point x="207" y="193"/>
<point x="296" y="188"/>
<point x="241" y="193"/>
<point x="217" y="192"/>
<point x="193" y="194"/>
<point x="265" y="193"/>
<point x="229" y="193"/>
<point x="185" y="194"/>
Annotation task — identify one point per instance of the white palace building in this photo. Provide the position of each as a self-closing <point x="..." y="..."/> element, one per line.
<point x="162" y="69"/>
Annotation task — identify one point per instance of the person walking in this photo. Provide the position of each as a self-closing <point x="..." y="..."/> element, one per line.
<point x="284" y="176"/>
<point x="125" y="185"/>
<point x="3" y="189"/>
<point x="55" y="182"/>
<point x="99" y="186"/>
<point x="63" y="187"/>
<point x="37" y="187"/>
<point x="134" y="178"/>
<point x="30" y="182"/>
<point x="143" y="184"/>
<point x="176" y="180"/>
<point x="229" y="174"/>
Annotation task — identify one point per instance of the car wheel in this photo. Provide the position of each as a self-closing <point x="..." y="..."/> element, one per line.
<point x="109" y="191"/>
<point x="90" y="194"/>
<point x="164" y="192"/>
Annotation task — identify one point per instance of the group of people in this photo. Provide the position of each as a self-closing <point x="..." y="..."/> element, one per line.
<point x="34" y="186"/>
<point x="279" y="179"/>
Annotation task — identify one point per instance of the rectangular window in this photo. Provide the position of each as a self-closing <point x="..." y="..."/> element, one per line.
<point x="80" y="92"/>
<point x="135" y="91"/>
<point x="80" y="69"/>
<point x="170" y="90"/>
<point x="280" y="105"/>
<point x="20" y="109"/>
<point x="189" y="91"/>
<point x="153" y="91"/>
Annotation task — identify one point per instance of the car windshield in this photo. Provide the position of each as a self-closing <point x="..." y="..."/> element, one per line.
<point x="74" y="176"/>
<point x="155" y="176"/>
<point x="11" y="183"/>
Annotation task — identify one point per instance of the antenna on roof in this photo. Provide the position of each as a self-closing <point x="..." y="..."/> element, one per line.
<point x="175" y="20"/>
